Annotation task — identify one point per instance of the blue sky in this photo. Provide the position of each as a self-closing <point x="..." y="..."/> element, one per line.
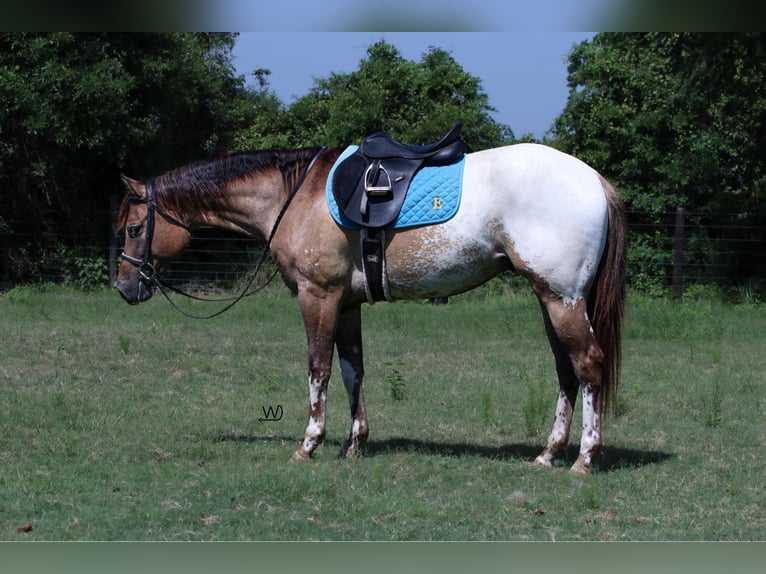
<point x="523" y="73"/>
<point x="413" y="15"/>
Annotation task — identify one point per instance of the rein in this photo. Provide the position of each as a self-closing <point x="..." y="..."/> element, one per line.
<point x="149" y="273"/>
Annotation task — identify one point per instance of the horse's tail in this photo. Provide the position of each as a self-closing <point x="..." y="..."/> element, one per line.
<point x="606" y="301"/>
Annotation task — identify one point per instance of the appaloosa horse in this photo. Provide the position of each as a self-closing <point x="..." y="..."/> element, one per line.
<point x="527" y="208"/>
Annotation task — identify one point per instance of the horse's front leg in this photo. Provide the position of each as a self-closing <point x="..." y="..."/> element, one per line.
<point x="348" y="340"/>
<point x="320" y="315"/>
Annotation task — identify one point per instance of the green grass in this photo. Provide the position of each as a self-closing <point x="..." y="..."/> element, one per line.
<point x="134" y="423"/>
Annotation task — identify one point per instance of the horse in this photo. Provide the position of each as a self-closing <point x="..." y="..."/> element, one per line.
<point x="525" y="208"/>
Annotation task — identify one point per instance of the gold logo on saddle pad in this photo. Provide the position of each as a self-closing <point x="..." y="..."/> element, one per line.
<point x="437" y="203"/>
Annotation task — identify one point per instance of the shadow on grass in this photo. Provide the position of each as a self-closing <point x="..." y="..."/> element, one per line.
<point x="252" y="438"/>
<point x="609" y="459"/>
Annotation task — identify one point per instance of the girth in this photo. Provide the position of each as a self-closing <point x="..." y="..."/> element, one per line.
<point x="370" y="187"/>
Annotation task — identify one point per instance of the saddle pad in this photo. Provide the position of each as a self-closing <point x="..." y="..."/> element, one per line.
<point x="433" y="196"/>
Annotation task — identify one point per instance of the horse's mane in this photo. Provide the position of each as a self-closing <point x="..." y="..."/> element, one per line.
<point x="199" y="185"/>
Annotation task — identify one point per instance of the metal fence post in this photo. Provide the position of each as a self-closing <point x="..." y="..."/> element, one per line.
<point x="678" y="254"/>
<point x="112" y="261"/>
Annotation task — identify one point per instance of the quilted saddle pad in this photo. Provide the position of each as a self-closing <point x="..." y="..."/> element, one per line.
<point x="433" y="196"/>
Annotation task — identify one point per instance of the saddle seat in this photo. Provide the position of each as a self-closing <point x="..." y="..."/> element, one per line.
<point x="371" y="184"/>
<point x="448" y="149"/>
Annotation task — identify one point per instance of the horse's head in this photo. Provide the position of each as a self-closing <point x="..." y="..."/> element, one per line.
<point x="150" y="241"/>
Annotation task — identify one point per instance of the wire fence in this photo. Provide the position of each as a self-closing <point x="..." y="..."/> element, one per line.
<point x="216" y="260"/>
<point x="666" y="252"/>
<point x="678" y="249"/>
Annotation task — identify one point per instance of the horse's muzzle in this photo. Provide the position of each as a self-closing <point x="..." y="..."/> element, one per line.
<point x="134" y="292"/>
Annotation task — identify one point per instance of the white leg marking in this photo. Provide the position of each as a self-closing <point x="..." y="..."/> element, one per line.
<point x="316" y="426"/>
<point x="591" y="425"/>
<point x="560" y="433"/>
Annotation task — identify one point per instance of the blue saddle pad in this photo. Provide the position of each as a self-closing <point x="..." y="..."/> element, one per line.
<point x="433" y="196"/>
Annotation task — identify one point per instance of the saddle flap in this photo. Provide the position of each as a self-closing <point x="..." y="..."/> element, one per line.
<point x="371" y="205"/>
<point x="346" y="177"/>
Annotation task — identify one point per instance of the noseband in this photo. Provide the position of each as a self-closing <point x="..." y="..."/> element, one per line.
<point x="144" y="265"/>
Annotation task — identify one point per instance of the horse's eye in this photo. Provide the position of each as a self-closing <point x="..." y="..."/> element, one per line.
<point x="134" y="230"/>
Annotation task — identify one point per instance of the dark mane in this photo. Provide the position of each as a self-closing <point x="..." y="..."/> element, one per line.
<point x="199" y="185"/>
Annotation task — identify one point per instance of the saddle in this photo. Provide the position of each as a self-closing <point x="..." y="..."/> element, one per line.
<point x="371" y="184"/>
<point x="370" y="187"/>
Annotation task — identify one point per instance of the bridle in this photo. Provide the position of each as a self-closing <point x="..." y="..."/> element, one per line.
<point x="144" y="265"/>
<point x="149" y="273"/>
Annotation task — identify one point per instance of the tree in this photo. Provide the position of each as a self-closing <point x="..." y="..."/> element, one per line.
<point x="77" y="109"/>
<point x="670" y="115"/>
<point x="416" y="102"/>
<point x="267" y="128"/>
<point x="675" y="120"/>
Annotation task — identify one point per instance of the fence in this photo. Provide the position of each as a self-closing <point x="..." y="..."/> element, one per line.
<point x="677" y="249"/>
<point x="214" y="260"/>
<point x="667" y="252"/>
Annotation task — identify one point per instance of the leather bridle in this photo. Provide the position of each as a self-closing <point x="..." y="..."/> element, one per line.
<point x="144" y="265"/>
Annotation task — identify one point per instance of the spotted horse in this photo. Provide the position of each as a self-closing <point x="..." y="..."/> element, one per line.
<point x="525" y="208"/>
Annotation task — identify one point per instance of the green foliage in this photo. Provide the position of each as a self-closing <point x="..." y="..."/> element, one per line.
<point x="749" y="293"/>
<point x="91" y="273"/>
<point x="536" y="408"/>
<point x="396" y="381"/>
<point x="415" y="102"/>
<point x="19" y="293"/>
<point x="124" y="341"/>
<point x="649" y="261"/>
<point x="673" y="119"/>
<point x="487" y="410"/>
<point x="80" y="108"/>
<point x="712" y="405"/>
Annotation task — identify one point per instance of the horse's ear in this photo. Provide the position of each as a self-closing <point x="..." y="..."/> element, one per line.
<point x="132" y="187"/>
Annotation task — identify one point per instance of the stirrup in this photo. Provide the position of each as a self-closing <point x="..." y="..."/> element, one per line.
<point x="369" y="182"/>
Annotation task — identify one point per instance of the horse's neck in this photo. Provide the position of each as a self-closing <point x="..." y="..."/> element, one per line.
<point x="249" y="208"/>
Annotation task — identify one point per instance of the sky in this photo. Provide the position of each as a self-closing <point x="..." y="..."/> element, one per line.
<point x="523" y="73"/>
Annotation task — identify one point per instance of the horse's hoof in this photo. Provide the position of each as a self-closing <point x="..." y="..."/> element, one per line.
<point x="540" y="462"/>
<point x="300" y="455"/>
<point x="580" y="468"/>
<point x="350" y="453"/>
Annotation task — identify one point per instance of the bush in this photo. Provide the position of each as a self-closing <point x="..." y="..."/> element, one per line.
<point x="91" y="273"/>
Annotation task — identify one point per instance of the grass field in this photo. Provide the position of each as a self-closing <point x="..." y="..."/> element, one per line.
<point x="134" y="423"/>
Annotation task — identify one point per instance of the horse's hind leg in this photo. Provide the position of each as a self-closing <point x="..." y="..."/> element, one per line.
<point x="348" y="340"/>
<point x="568" y="387"/>
<point x="579" y="361"/>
